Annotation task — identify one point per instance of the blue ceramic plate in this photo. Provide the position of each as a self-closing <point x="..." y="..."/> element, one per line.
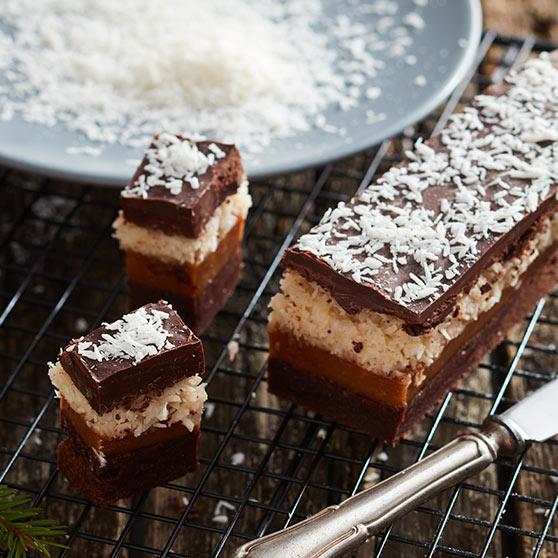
<point x="445" y="50"/>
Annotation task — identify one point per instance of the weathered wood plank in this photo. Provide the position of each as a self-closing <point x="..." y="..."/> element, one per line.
<point x="522" y="17"/>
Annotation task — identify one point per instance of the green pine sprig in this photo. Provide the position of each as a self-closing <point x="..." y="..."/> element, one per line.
<point x="22" y="531"/>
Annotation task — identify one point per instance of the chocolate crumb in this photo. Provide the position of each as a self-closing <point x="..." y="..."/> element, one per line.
<point x="485" y="288"/>
<point x="357" y="346"/>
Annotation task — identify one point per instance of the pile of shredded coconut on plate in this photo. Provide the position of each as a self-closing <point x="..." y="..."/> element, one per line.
<point x="244" y="71"/>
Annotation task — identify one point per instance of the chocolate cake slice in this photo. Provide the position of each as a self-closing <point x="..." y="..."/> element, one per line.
<point x="131" y="400"/>
<point x="181" y="226"/>
<point x="395" y="295"/>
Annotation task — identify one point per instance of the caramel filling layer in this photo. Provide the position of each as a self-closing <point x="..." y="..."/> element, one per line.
<point x="108" y="446"/>
<point x="187" y="280"/>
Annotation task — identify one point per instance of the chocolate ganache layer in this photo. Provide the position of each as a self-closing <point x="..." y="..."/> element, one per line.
<point x="180" y="183"/>
<point x="147" y="350"/>
<point x="410" y="243"/>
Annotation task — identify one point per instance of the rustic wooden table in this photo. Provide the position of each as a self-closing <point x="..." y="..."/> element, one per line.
<point x="520" y="18"/>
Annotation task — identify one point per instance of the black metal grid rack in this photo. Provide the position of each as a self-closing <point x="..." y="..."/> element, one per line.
<point x="265" y="464"/>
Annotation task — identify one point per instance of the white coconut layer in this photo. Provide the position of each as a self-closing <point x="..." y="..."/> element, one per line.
<point x="182" y="402"/>
<point x="307" y="311"/>
<point x="174" y="248"/>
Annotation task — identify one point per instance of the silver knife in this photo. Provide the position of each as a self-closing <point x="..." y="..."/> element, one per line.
<point x="340" y="528"/>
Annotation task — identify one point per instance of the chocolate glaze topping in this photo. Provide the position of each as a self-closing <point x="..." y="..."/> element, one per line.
<point x="409" y="244"/>
<point x="107" y="382"/>
<point x="423" y="315"/>
<point x="188" y="211"/>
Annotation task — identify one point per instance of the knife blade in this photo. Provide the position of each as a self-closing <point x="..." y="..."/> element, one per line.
<point x="535" y="418"/>
<point x="340" y="528"/>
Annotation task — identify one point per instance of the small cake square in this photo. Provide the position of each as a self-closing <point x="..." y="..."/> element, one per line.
<point x="131" y="400"/>
<point x="182" y="224"/>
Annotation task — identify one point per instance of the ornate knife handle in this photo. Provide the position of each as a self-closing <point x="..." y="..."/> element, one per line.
<point x="338" y="529"/>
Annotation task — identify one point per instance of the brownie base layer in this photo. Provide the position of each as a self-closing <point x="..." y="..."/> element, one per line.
<point x="129" y="472"/>
<point x="197" y="311"/>
<point x="310" y="390"/>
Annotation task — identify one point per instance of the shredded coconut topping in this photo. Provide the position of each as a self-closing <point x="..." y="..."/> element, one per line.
<point x="243" y="70"/>
<point x="497" y="162"/>
<point x="181" y="402"/>
<point x="172" y="161"/>
<point x="136" y="336"/>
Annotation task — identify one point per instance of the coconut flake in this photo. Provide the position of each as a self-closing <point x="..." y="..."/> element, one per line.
<point x="232" y="349"/>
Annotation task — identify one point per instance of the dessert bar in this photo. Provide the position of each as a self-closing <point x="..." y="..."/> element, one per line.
<point x="181" y="226"/>
<point x="396" y="294"/>
<point x="131" y="400"/>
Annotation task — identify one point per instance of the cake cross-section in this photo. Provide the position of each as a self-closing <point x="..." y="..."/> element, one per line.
<point x="131" y="400"/>
<point x="181" y="226"/>
<point x="394" y="295"/>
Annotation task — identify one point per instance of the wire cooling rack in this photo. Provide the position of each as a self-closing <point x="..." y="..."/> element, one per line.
<point x="265" y="464"/>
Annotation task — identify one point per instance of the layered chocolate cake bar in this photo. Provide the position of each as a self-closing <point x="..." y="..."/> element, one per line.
<point x="131" y="400"/>
<point x="396" y="294"/>
<point x="181" y="226"/>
